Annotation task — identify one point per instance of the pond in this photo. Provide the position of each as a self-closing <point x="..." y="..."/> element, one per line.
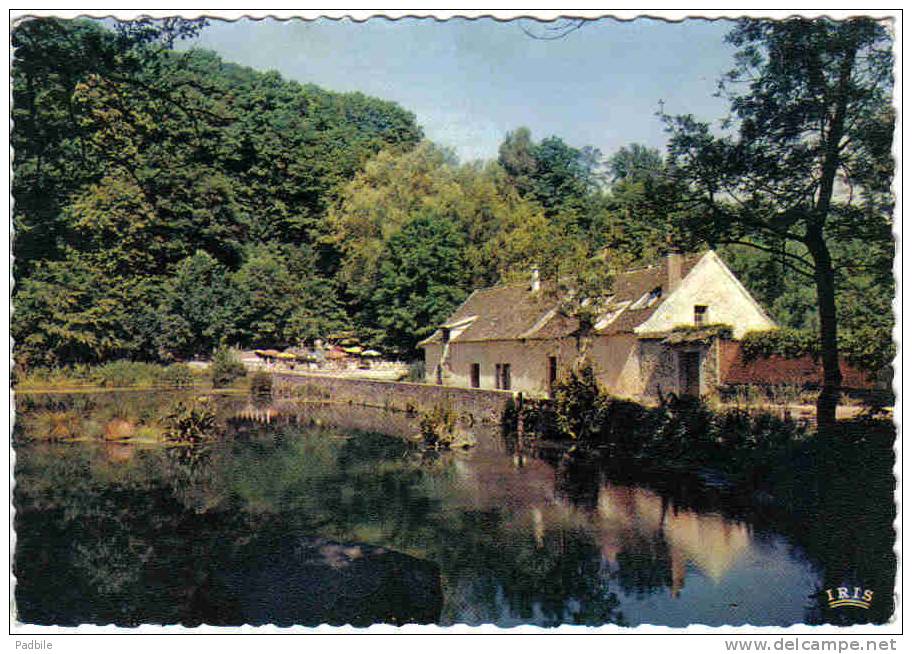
<point x="135" y="532"/>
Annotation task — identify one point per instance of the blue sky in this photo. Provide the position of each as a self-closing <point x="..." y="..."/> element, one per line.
<point x="470" y="81"/>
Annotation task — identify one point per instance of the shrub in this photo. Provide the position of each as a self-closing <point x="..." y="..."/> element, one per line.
<point x="686" y="429"/>
<point x="177" y="375"/>
<point x="580" y="406"/>
<point x="55" y="425"/>
<point x="226" y="367"/>
<point x="439" y="429"/>
<point x="126" y="373"/>
<point x="416" y="371"/>
<point x="191" y="422"/>
<point x="261" y="384"/>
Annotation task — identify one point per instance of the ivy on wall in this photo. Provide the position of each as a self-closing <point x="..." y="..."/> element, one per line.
<point x="867" y="350"/>
<point x="788" y="343"/>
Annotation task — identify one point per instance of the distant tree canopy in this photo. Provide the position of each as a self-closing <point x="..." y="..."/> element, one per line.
<point x="168" y="203"/>
<point x="141" y="172"/>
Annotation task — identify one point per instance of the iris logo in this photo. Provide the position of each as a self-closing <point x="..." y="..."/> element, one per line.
<point x="859" y="598"/>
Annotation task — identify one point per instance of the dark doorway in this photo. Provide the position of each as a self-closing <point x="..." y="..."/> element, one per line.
<point x="502" y="376"/>
<point x="689" y="367"/>
<point x="552" y="371"/>
<point x="475" y="375"/>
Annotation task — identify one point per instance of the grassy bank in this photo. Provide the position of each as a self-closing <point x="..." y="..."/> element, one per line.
<point x="225" y="371"/>
<point x="114" y="374"/>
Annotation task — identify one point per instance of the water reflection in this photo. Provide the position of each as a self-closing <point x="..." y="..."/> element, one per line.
<point x="131" y="532"/>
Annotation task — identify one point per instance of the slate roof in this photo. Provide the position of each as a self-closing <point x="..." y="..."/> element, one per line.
<point x="513" y="312"/>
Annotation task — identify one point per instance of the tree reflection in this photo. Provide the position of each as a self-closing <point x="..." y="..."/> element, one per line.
<point x="145" y="533"/>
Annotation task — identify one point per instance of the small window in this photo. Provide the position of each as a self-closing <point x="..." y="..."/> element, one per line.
<point x="552" y="371"/>
<point x="475" y="375"/>
<point x="446" y="334"/>
<point x="497" y="375"/>
<point x="700" y="311"/>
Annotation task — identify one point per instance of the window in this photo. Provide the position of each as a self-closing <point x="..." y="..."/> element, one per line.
<point x="475" y="375"/>
<point x="502" y="376"/>
<point x="700" y="314"/>
<point x="446" y="334"/>
<point x="552" y="371"/>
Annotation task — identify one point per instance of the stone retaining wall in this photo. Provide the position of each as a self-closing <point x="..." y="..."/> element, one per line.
<point x="480" y="404"/>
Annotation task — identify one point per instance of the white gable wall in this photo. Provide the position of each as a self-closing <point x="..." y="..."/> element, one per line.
<point x="712" y="284"/>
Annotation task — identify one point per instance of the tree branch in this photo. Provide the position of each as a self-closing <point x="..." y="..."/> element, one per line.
<point x="769" y="250"/>
<point x="557" y="31"/>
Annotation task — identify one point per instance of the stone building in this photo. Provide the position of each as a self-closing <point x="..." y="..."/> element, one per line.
<point x="661" y="332"/>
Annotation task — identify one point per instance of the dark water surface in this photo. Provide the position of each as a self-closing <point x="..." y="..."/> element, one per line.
<point x="141" y="533"/>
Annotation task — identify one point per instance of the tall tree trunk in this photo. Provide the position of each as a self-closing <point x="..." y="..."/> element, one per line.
<point x="829" y="348"/>
<point x="816" y="244"/>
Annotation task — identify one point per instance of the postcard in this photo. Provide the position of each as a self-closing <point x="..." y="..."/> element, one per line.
<point x="454" y="321"/>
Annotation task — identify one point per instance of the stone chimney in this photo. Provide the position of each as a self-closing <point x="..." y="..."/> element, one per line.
<point x="535" y="284"/>
<point x="675" y="262"/>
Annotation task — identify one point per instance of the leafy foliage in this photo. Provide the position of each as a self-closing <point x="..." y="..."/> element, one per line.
<point x="439" y="428"/>
<point x="191" y="422"/>
<point x="226" y="367"/>
<point x="118" y="374"/>
<point x="865" y="349"/>
<point x="157" y="192"/>
<point x="170" y="203"/>
<point x="781" y="342"/>
<point x="810" y="163"/>
<point x="682" y="431"/>
<point x="177" y="375"/>
<point x="420" y="281"/>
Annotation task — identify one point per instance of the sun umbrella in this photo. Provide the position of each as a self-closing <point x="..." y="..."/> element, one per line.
<point x="371" y="353"/>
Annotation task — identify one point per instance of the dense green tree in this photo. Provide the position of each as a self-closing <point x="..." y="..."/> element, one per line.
<point x="810" y="158"/>
<point x="564" y="180"/>
<point x="316" y="310"/>
<point x="264" y="295"/>
<point x="501" y="232"/>
<point x="51" y="141"/>
<point x="635" y="162"/>
<point x="518" y="157"/>
<point x="70" y="311"/>
<point x="131" y="157"/>
<point x="421" y="279"/>
<point x="197" y="307"/>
